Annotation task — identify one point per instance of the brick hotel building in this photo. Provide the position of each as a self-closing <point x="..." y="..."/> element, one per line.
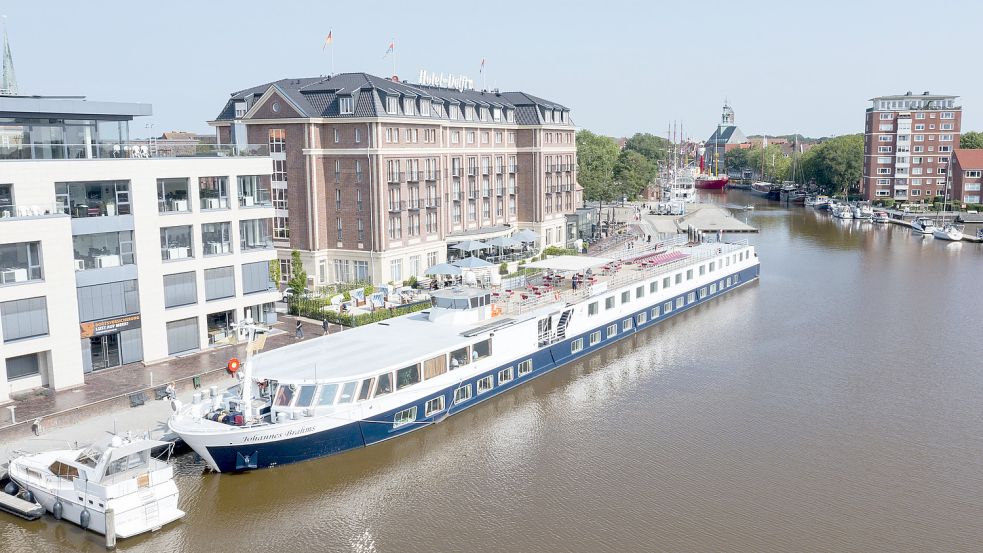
<point x="908" y="140"/>
<point x="373" y="178"/>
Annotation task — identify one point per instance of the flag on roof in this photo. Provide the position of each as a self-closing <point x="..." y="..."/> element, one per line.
<point x="327" y="40"/>
<point x="391" y="49"/>
<point x="482" y="68"/>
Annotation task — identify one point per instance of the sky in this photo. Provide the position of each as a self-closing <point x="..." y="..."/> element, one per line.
<point x="621" y="67"/>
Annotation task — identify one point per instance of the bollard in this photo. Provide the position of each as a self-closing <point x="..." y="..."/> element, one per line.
<point x="13" y="415"/>
<point x="151" y="379"/>
<point x="110" y="529"/>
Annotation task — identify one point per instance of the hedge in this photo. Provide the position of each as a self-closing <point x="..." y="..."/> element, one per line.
<point x="312" y="309"/>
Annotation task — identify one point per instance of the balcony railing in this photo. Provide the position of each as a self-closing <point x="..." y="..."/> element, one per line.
<point x="412" y="176"/>
<point x="472" y="194"/>
<point x="397" y="206"/>
<point x="413" y="204"/>
<point x="456" y="172"/>
<point x="513" y="168"/>
<point x="394" y="177"/>
<point x="486" y="192"/>
<point x="431" y="175"/>
<point x="472" y="171"/>
<point x="130" y="150"/>
<point x="24" y="211"/>
<point x="456" y="196"/>
<point x="500" y="191"/>
<point x="432" y="203"/>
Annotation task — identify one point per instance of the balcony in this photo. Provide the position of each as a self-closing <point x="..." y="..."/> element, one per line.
<point x="512" y="190"/>
<point x="472" y="194"/>
<point x="129" y="150"/>
<point x="432" y="203"/>
<point x="10" y="211"/>
<point x="456" y="172"/>
<point x="414" y="204"/>
<point x="456" y="196"/>
<point x="513" y="168"/>
<point x="396" y="206"/>
<point x="431" y="175"/>
<point x="394" y="177"/>
<point x="500" y="191"/>
<point x="413" y="176"/>
<point x="486" y="192"/>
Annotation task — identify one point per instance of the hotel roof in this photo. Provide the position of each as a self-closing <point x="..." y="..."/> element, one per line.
<point x="318" y="97"/>
<point x="75" y="107"/>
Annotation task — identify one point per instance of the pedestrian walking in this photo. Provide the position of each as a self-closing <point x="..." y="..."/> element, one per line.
<point x="299" y="333"/>
<point x="324" y="325"/>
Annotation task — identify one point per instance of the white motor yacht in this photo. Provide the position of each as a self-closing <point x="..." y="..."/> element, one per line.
<point x="923" y="225"/>
<point x="118" y="474"/>
<point x="949" y="232"/>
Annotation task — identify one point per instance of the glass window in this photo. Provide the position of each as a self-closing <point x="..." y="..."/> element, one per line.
<point x="665" y="283"/>
<point x="366" y="389"/>
<point x="434" y="406"/>
<point x="485" y="384"/>
<point x="653" y="286"/>
<point x="592" y="308"/>
<point x="348" y="392"/>
<point x="327" y="394"/>
<point x="612" y="330"/>
<point x="216" y="238"/>
<point x="180" y="289"/>
<point x="93" y="199"/>
<point x="20" y="262"/>
<point x="640" y="291"/>
<point x="595" y="338"/>
<point x="625" y="296"/>
<point x="254" y="190"/>
<point x="407" y="376"/>
<point x="220" y="283"/>
<point x="679" y="278"/>
<point x="306" y="396"/>
<point x="172" y="195"/>
<point x="23" y="366"/>
<point x="24" y="318"/>
<point x="214" y="192"/>
<point x="106" y="249"/>
<point x="384" y="384"/>
<point x="626" y="324"/>
<point x="577" y="345"/>
<point x="505" y="375"/>
<point x="404" y="417"/>
<point x="460" y="357"/>
<point x="254" y="234"/>
<point x="481" y="349"/>
<point x="609" y="303"/>
<point x="175" y="243"/>
<point x="525" y="367"/>
<point x="462" y="394"/>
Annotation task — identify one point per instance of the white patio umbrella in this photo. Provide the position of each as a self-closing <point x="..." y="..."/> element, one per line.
<point x="472" y="263"/>
<point x="504" y="242"/>
<point x="471" y="246"/>
<point x="526" y="235"/>
<point x="443" y="269"/>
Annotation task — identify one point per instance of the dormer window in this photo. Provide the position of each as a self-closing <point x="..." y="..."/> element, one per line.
<point x="346" y="105"/>
<point x="566" y="116"/>
<point x="510" y="115"/>
<point x="408" y="104"/>
<point x="392" y="105"/>
<point x="469" y="112"/>
<point x="455" y="111"/>
<point x="497" y="114"/>
<point x="438" y="109"/>
<point x="483" y="113"/>
<point x="425" y="107"/>
<point x="240" y="109"/>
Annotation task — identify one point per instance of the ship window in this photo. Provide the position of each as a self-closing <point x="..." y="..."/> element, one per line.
<point x="691" y="297"/>
<point x="481" y="349"/>
<point x="728" y="281"/>
<point x="640" y="291"/>
<point x="384" y="384"/>
<point x="713" y="288"/>
<point x="703" y="270"/>
<point x="462" y="394"/>
<point x="626" y="325"/>
<point x="592" y="308"/>
<point x="306" y="396"/>
<point x="505" y="375"/>
<point x="689" y="274"/>
<point x="525" y="367"/>
<point x="680" y="302"/>
<point x="459" y="357"/>
<point x="625" y="296"/>
<point x="641" y="318"/>
<point x="712" y="265"/>
<point x="679" y="278"/>
<point x="667" y="307"/>
<point x="577" y="345"/>
<point x="327" y="394"/>
<point x="703" y="292"/>
<point x="612" y="330"/>
<point x="485" y="384"/>
<point x="609" y="303"/>
<point x="284" y="393"/>
<point x="348" y="392"/>
<point x="655" y="312"/>
<point x="404" y="417"/>
<point x="433" y="406"/>
<point x="665" y="283"/>
<point x="407" y="376"/>
<point x="595" y="338"/>
<point x="365" y="390"/>
<point x="653" y="286"/>
<point x="434" y="367"/>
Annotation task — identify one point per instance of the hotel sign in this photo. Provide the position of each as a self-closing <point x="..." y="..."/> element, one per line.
<point x="109" y="326"/>
<point x="460" y="82"/>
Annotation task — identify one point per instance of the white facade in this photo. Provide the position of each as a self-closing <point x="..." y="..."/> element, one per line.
<point x="78" y="269"/>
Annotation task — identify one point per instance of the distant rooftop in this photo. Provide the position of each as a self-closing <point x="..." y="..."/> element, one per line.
<point x="74" y="107"/>
<point x="910" y="96"/>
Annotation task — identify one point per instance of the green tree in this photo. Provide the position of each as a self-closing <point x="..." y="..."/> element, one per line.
<point x="836" y="164"/>
<point x="596" y="156"/>
<point x="972" y="140"/>
<point x="298" y="279"/>
<point x="275" y="275"/>
<point x="633" y="172"/>
<point x="653" y="148"/>
<point x="738" y="159"/>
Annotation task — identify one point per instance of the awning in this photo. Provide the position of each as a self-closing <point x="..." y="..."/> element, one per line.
<point x="569" y="263"/>
<point x="526" y="235"/>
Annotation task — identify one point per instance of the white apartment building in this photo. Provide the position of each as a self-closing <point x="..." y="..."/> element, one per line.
<point x="110" y="256"/>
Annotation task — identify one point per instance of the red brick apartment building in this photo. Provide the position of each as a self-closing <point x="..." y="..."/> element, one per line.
<point x="373" y="178"/>
<point x="908" y="140"/>
<point x="967" y="175"/>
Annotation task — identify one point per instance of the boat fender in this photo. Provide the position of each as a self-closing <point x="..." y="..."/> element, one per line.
<point x="11" y="488"/>
<point x="85" y="518"/>
<point x="233" y="365"/>
<point x="175" y="405"/>
<point x="28" y="496"/>
<point x="57" y="510"/>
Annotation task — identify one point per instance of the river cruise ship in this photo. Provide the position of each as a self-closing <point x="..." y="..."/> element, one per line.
<point x="369" y="384"/>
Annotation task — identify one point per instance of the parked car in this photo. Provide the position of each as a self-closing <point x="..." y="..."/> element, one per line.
<point x="288" y="294"/>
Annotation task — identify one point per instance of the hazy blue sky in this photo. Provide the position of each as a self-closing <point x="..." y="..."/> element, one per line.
<point x="621" y="66"/>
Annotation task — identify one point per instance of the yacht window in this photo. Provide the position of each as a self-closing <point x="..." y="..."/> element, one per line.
<point x="680" y="302"/>
<point x="459" y="357"/>
<point x="284" y="393"/>
<point x="306" y="396"/>
<point x="679" y="278"/>
<point x="485" y="384"/>
<point x="612" y="330"/>
<point x="525" y="367"/>
<point x="384" y="384"/>
<point x="348" y="392"/>
<point x="462" y="394"/>
<point x="404" y="417"/>
<point x="505" y="375"/>
<point x="482" y="349"/>
<point x="434" y="367"/>
<point x="326" y="397"/>
<point x="665" y="282"/>
<point x="136" y="460"/>
<point x="595" y="338"/>
<point x="363" y="392"/>
<point x="407" y="376"/>
<point x="433" y="406"/>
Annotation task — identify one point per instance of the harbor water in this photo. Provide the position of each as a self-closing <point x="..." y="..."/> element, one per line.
<point x="834" y="405"/>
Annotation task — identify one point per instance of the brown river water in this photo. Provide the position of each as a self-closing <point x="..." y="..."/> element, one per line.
<point x="835" y="405"/>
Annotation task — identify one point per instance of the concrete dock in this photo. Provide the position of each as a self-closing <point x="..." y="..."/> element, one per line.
<point x="705" y="218"/>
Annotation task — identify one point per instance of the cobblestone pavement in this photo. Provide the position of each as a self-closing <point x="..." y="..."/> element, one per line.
<point x="120" y="381"/>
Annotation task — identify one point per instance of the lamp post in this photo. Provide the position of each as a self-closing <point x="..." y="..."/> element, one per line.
<point x="151" y="143"/>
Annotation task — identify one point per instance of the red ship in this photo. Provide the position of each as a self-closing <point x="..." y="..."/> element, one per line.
<point x="707" y="181"/>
